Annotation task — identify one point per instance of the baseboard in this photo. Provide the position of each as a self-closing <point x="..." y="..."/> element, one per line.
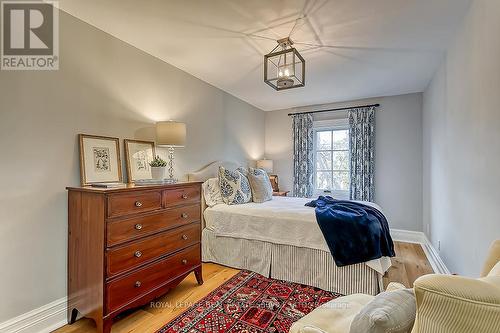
<point x="408" y="236"/>
<point x="420" y="238"/>
<point x="435" y="260"/>
<point x="45" y="319"/>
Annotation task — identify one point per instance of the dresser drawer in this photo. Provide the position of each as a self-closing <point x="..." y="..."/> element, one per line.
<point x="132" y="255"/>
<point x="127" y="289"/>
<point x="131" y="203"/>
<point x="182" y="196"/>
<point x="120" y="231"/>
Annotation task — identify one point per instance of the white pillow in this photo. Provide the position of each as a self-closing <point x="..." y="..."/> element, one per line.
<point x="390" y="311"/>
<point x="211" y="192"/>
<point x="261" y="185"/>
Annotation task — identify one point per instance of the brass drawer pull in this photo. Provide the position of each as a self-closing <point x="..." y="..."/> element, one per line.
<point x="184" y="261"/>
<point x="184" y="196"/>
<point x="138" y="226"/>
<point x="185" y="237"/>
<point x="137" y="254"/>
<point x="138" y="204"/>
<point x="137" y="284"/>
<point x="184" y="215"/>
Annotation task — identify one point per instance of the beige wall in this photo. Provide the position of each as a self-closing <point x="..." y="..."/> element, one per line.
<point x="103" y="87"/>
<point x="398" y="158"/>
<point x="462" y="143"/>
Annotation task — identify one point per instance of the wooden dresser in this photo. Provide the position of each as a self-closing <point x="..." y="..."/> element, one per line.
<point x="128" y="246"/>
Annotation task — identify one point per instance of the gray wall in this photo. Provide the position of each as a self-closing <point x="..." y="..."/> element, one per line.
<point x="398" y="161"/>
<point x="103" y="87"/>
<point x="462" y="143"/>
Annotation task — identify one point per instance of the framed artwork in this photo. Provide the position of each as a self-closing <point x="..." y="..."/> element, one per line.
<point x="99" y="159"/>
<point x="138" y="154"/>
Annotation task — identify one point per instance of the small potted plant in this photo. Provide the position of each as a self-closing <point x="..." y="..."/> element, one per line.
<point x="158" y="168"/>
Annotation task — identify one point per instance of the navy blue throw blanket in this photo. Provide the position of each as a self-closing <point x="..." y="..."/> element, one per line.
<point x="354" y="232"/>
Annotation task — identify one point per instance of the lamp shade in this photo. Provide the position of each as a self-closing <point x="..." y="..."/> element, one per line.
<point x="266" y="165"/>
<point x="170" y="134"/>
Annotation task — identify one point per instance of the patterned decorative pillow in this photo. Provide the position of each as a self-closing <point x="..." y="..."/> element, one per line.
<point x="234" y="187"/>
<point x="211" y="192"/>
<point x="243" y="170"/>
<point x="262" y="189"/>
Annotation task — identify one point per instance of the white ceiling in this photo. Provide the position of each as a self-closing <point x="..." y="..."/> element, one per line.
<point x="377" y="47"/>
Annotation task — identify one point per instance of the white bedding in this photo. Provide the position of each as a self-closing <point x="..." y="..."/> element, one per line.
<point x="283" y="220"/>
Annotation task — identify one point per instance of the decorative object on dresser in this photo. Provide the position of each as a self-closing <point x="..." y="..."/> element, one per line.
<point x="127" y="246"/>
<point x="158" y="168"/>
<point x="138" y="155"/>
<point x="170" y="134"/>
<point x="99" y="159"/>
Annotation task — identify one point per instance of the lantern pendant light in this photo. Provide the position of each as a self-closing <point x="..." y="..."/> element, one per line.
<point x="284" y="67"/>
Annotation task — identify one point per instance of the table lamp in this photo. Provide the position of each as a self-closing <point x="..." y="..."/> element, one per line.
<point x="266" y="165"/>
<point x="170" y="134"/>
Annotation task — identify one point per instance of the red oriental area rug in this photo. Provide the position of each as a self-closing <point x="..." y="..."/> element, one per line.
<point x="250" y="303"/>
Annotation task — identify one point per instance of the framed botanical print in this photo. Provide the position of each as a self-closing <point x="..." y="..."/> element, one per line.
<point x="138" y="154"/>
<point x="99" y="159"/>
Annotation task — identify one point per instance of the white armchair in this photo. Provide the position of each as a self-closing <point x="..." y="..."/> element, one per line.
<point x="457" y="304"/>
<point x="336" y="316"/>
<point x="445" y="304"/>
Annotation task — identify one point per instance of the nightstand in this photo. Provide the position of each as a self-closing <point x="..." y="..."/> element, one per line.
<point x="281" y="194"/>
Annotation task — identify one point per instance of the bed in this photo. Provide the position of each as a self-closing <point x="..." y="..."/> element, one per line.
<point x="282" y="240"/>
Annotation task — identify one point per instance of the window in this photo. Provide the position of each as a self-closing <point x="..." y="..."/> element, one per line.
<point x="331" y="154"/>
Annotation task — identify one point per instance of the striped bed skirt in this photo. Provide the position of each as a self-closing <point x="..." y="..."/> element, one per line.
<point x="290" y="263"/>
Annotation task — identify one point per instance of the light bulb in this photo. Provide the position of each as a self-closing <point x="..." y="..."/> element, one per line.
<point x="280" y="73"/>
<point x="287" y="72"/>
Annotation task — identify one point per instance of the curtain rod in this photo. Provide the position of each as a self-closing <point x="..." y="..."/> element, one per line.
<point x="339" y="109"/>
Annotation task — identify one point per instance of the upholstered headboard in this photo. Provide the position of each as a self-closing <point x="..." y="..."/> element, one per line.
<point x="209" y="171"/>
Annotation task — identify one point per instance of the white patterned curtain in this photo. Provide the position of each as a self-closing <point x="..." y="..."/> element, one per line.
<point x="362" y="151"/>
<point x="303" y="155"/>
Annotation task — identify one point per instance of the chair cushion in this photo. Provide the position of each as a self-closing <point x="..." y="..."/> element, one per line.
<point x="395" y="286"/>
<point x="332" y="317"/>
<point x="392" y="311"/>
<point x="260" y="184"/>
<point x="495" y="271"/>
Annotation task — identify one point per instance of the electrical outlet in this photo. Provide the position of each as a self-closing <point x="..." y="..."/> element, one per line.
<point x="439" y="245"/>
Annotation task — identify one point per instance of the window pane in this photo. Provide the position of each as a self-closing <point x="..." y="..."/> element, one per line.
<point x="323" y="140"/>
<point x="341" y="139"/>
<point x="340" y="160"/>
<point x="323" y="180"/>
<point x="340" y="180"/>
<point x="324" y="160"/>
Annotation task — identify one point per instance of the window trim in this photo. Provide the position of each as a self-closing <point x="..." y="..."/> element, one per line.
<point x="329" y="125"/>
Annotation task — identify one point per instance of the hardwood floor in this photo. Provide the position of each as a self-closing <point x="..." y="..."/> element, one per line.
<point x="410" y="263"/>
